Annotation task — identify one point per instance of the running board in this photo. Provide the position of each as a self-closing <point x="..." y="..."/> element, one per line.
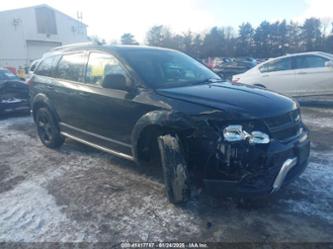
<point x="113" y="152"/>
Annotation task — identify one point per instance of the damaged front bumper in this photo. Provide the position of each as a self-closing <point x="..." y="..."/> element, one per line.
<point x="282" y="163"/>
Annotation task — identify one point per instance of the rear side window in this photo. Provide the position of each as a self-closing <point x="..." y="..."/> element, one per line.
<point x="101" y="64"/>
<point x="309" y="61"/>
<point x="279" y="65"/>
<point x="47" y="66"/>
<point x="71" y="67"/>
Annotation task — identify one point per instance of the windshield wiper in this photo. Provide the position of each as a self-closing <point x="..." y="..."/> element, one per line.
<point x="210" y="80"/>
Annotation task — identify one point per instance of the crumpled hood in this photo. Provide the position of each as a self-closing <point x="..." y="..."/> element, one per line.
<point x="242" y="101"/>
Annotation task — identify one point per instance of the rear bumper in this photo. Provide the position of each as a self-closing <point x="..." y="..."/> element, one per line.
<point x="276" y="175"/>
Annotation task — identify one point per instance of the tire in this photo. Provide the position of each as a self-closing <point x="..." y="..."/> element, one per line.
<point x="175" y="171"/>
<point x="48" y="129"/>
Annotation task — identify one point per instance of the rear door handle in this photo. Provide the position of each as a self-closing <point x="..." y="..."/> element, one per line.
<point x="265" y="75"/>
<point x="302" y="73"/>
<point x="49" y="87"/>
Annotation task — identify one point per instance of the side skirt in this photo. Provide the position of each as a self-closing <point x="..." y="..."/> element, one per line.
<point x="99" y="147"/>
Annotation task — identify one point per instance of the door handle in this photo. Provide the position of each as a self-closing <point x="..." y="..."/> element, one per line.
<point x="301" y="73"/>
<point x="83" y="93"/>
<point x="265" y="75"/>
<point x="49" y="87"/>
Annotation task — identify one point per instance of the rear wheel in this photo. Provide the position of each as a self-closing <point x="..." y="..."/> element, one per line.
<point x="175" y="169"/>
<point x="47" y="128"/>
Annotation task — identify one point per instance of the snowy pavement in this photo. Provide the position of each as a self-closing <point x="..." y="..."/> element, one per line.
<point x="77" y="193"/>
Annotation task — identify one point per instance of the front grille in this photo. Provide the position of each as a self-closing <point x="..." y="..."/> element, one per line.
<point x="278" y="121"/>
<point x="285" y="126"/>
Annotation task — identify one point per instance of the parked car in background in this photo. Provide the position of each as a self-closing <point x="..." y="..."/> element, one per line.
<point x="227" y="67"/>
<point x="163" y="108"/>
<point x="11" y="69"/>
<point x="14" y="93"/>
<point x="302" y="74"/>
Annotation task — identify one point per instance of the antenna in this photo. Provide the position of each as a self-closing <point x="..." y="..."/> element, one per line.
<point x="79" y="15"/>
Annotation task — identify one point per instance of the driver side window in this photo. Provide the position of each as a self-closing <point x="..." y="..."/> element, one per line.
<point x="101" y="65"/>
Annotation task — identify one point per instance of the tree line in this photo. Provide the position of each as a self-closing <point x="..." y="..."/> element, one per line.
<point x="265" y="41"/>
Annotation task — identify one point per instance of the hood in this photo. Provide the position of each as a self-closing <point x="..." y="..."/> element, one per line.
<point x="242" y="101"/>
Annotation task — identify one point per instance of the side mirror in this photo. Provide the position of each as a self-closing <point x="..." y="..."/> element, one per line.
<point x="329" y="64"/>
<point x="115" y="81"/>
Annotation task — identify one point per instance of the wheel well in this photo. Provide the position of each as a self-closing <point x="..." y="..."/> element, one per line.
<point x="147" y="146"/>
<point x="146" y="138"/>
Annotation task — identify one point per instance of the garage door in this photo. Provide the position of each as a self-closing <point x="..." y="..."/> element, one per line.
<point x="37" y="48"/>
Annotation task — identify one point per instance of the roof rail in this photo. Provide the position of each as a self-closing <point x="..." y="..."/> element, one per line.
<point x="80" y="44"/>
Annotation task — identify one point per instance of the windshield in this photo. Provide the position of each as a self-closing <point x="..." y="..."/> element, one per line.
<point x="161" y="68"/>
<point x="7" y="75"/>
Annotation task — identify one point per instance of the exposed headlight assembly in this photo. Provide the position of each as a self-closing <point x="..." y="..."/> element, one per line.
<point x="258" y="137"/>
<point x="234" y="133"/>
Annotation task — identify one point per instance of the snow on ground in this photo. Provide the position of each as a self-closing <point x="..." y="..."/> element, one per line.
<point x="34" y="215"/>
<point x="79" y="194"/>
<point x="319" y="201"/>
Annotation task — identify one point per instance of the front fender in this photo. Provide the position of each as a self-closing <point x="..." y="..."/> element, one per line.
<point x="162" y="118"/>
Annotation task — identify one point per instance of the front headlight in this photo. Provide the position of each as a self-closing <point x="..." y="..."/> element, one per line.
<point x="234" y="133"/>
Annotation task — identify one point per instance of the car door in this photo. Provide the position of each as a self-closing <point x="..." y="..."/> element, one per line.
<point x="109" y="113"/>
<point x="278" y="75"/>
<point x="312" y="76"/>
<point x="69" y="80"/>
<point x="43" y="79"/>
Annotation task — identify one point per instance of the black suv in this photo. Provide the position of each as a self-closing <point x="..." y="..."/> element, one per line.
<point x="162" y="107"/>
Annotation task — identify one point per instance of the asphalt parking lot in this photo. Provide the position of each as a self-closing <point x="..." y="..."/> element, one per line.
<point x="77" y="193"/>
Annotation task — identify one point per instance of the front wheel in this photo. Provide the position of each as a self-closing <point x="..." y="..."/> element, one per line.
<point x="47" y="129"/>
<point x="175" y="169"/>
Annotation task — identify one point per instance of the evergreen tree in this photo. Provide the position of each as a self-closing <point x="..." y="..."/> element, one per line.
<point x="128" y="39"/>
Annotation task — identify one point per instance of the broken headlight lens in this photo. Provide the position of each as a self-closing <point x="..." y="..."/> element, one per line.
<point x="234" y="133"/>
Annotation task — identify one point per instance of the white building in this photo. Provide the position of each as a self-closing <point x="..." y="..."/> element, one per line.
<point x="27" y="33"/>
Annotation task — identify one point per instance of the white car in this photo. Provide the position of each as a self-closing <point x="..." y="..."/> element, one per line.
<point x="302" y="74"/>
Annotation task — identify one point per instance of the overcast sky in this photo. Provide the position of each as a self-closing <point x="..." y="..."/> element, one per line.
<point x="109" y="19"/>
